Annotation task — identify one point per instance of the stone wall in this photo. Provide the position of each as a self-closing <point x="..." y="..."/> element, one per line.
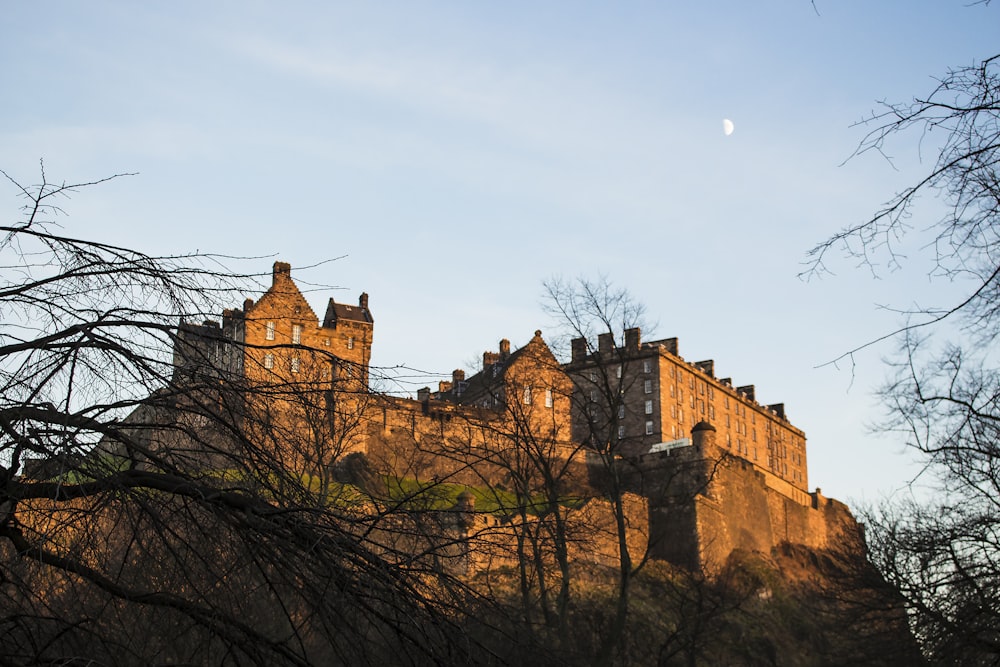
<point x="706" y="502"/>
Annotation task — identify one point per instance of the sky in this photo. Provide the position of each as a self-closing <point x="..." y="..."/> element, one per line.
<point x="449" y="157"/>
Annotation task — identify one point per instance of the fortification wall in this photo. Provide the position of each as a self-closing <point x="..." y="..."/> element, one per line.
<point x="705" y="502"/>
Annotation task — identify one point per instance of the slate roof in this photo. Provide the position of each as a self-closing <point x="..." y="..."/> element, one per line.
<point x="342" y="311"/>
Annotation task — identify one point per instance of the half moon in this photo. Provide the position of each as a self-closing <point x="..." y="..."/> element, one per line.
<point x="727" y="126"/>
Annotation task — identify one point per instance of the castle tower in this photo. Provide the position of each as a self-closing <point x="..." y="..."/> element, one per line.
<point x="285" y="340"/>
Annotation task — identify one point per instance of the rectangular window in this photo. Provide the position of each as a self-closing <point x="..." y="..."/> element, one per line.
<point x="649" y="407"/>
<point x="647" y="366"/>
<point x="647" y="387"/>
<point x="326" y="341"/>
<point x="269" y="361"/>
<point x="548" y="398"/>
<point x="621" y="432"/>
<point x="711" y="412"/>
<point x="672" y="391"/>
<point x="621" y="412"/>
<point x="593" y="396"/>
<point x="527" y="395"/>
<point x="618" y="372"/>
<point x="673" y="411"/>
<point x="295" y="364"/>
<point x="593" y="376"/>
<point x="269" y="331"/>
<point x="649" y="428"/>
<point x="350" y="342"/>
<point x="296" y="334"/>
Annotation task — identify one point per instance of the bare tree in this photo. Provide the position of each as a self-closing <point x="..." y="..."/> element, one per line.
<point x="943" y="555"/>
<point x="594" y="310"/>
<point x="148" y="511"/>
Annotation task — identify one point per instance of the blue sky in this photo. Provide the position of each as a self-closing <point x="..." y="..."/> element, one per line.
<point x="456" y="154"/>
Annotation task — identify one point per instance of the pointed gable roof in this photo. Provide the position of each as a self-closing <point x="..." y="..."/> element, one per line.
<point x="491" y="379"/>
<point x="283" y="299"/>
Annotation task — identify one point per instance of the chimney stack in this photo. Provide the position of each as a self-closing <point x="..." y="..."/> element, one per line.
<point x="504" y="349"/>
<point x="632" y="339"/>
<point x="578" y="347"/>
<point x="281" y="269"/>
<point x="605" y="343"/>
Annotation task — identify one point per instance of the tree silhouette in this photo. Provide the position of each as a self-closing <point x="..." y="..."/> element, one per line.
<point x="150" y="511"/>
<point x="943" y="554"/>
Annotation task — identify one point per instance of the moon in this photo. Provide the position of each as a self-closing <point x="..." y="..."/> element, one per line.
<point x="727" y="126"/>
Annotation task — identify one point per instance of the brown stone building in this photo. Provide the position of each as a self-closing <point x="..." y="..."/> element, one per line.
<point x="718" y="470"/>
<point x="645" y="395"/>
<point x="284" y="340"/>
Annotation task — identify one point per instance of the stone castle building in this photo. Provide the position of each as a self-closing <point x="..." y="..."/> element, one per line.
<point x="717" y="470"/>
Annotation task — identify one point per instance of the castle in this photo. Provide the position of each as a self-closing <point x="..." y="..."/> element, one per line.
<point x="716" y="470"/>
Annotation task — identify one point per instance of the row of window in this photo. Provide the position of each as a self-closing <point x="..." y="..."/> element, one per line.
<point x="269" y="333"/>
<point x="548" y="396"/>
<point x="295" y="366"/>
<point x="621" y="429"/>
